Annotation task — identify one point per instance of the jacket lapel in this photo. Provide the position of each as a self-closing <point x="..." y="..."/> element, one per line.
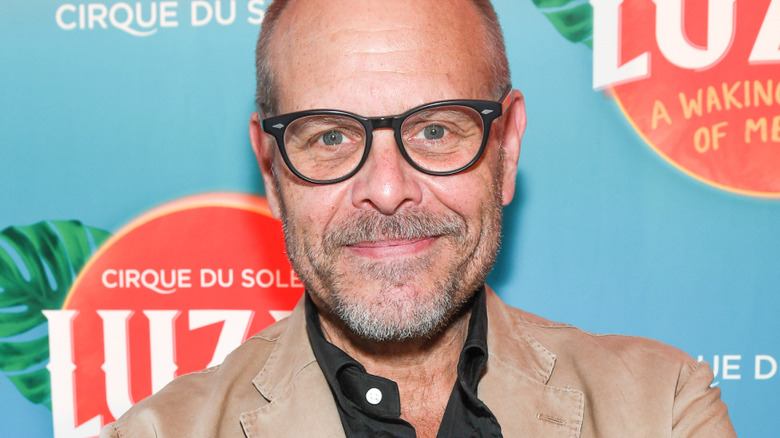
<point x="515" y="387"/>
<point x="300" y="401"/>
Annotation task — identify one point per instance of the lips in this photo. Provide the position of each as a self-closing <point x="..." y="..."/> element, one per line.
<point x="392" y="247"/>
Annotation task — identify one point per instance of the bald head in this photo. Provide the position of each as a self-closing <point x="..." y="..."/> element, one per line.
<point x="391" y="40"/>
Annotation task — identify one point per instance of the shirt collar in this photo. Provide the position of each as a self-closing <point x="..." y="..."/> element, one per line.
<point x="348" y="378"/>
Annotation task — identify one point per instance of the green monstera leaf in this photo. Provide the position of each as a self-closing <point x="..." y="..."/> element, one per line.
<point x="572" y="18"/>
<point x="38" y="264"/>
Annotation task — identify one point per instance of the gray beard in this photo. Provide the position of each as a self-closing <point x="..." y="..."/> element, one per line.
<point x="421" y="320"/>
<point x="392" y="316"/>
<point x="389" y="317"/>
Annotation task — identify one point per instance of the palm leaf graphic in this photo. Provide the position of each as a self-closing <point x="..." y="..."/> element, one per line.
<point x="38" y="264"/>
<point x="572" y="18"/>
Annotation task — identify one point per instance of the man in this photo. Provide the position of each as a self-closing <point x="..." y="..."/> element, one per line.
<point x="388" y="141"/>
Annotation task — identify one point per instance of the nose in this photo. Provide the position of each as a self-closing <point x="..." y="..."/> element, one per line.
<point x="386" y="182"/>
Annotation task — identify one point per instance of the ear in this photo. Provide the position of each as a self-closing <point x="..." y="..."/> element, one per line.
<point x="263" y="145"/>
<point x="514" y="126"/>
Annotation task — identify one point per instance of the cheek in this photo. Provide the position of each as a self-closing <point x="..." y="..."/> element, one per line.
<point x="465" y="193"/>
<point x="312" y="208"/>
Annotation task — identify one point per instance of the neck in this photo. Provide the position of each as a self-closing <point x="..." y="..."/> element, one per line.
<point x="424" y="369"/>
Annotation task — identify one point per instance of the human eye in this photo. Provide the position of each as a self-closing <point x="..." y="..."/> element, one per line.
<point x="437" y="132"/>
<point x="431" y="132"/>
<point x="442" y="138"/>
<point x="331" y="143"/>
<point x="334" y="145"/>
<point x="332" y="138"/>
<point x="443" y="124"/>
<point x="324" y="146"/>
<point x="324" y="134"/>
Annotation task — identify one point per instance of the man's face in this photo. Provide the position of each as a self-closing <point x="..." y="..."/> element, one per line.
<point x="391" y="252"/>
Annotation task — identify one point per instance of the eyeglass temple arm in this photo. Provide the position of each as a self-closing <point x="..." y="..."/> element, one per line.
<point x="507" y="101"/>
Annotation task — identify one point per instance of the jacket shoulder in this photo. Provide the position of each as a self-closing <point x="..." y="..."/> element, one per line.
<point x="631" y="376"/>
<point x="187" y="404"/>
<point x="572" y="343"/>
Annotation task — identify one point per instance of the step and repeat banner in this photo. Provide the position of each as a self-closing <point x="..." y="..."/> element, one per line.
<point x="136" y="245"/>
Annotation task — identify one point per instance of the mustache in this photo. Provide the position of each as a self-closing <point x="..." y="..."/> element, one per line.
<point x="372" y="226"/>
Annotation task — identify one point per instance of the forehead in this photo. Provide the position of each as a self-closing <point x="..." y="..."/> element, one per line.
<point x="378" y="57"/>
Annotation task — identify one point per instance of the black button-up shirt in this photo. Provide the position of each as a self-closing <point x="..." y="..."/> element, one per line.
<point x="370" y="406"/>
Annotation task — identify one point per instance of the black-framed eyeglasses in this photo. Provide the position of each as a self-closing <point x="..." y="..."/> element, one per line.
<point x="439" y="138"/>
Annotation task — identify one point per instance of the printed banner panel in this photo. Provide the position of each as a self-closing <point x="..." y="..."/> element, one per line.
<point x="136" y="245"/>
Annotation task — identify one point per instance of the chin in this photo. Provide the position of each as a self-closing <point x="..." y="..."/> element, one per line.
<point x="398" y="312"/>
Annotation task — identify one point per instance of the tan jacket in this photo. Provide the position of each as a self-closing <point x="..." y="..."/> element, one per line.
<point x="543" y="379"/>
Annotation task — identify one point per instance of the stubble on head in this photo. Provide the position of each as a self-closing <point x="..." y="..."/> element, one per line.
<point x="415" y="296"/>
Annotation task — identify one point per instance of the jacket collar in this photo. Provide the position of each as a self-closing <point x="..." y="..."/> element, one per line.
<point x="514" y="386"/>
<point x="293" y="384"/>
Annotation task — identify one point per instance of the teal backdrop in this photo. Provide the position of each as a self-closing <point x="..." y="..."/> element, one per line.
<point x="101" y="125"/>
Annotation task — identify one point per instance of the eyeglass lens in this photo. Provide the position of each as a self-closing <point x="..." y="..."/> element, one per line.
<point x="440" y="139"/>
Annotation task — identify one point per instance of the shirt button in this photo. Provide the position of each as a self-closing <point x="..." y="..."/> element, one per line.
<point x="374" y="396"/>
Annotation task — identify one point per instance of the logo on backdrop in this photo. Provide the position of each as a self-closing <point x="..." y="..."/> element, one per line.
<point x="727" y="367"/>
<point x="173" y="292"/>
<point x="146" y="18"/>
<point x="698" y="80"/>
